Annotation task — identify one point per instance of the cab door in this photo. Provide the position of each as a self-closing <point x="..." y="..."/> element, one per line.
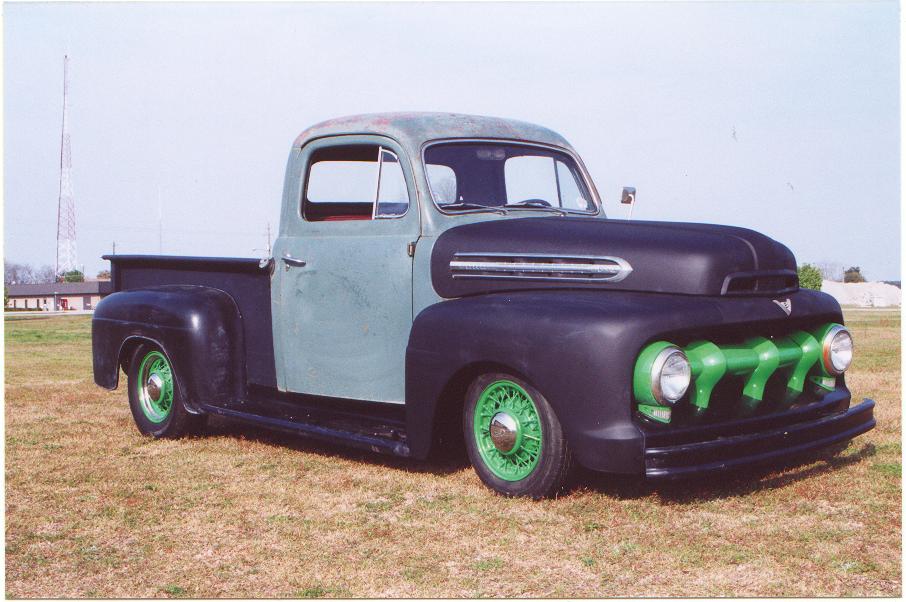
<point x="342" y="286"/>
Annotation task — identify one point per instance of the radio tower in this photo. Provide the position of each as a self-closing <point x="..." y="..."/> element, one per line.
<point x="66" y="229"/>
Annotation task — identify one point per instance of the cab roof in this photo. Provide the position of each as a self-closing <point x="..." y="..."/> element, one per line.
<point x="413" y="129"/>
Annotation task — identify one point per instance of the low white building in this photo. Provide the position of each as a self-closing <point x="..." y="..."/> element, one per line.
<point x="56" y="296"/>
<point x="863" y="294"/>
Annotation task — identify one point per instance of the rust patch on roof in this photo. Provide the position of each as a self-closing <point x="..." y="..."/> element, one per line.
<point x="413" y="129"/>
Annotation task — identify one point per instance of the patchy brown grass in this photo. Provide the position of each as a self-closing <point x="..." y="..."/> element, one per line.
<point x="94" y="509"/>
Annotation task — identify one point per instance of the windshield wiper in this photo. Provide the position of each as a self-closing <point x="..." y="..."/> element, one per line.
<point x="473" y="207"/>
<point x="536" y="207"/>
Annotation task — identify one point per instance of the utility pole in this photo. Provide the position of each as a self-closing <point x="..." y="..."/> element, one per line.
<point x="114" y="247"/>
<point x="267" y="249"/>
<point x="160" y="223"/>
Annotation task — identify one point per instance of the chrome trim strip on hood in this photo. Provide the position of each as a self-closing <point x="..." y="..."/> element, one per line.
<point x="539" y="266"/>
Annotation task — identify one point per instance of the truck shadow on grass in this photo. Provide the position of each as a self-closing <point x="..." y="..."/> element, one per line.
<point x="734" y="483"/>
<point x="218" y="426"/>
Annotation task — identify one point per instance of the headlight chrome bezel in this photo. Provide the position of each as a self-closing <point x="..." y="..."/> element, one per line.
<point x="657" y="373"/>
<point x="827" y="341"/>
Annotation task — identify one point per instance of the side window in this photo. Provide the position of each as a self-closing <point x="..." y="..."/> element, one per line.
<point x="355" y="182"/>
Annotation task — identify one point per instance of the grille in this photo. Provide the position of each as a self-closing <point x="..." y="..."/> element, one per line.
<point x="730" y="379"/>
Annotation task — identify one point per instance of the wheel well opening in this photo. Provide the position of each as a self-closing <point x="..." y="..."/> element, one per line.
<point x="447" y="440"/>
<point x="128" y="349"/>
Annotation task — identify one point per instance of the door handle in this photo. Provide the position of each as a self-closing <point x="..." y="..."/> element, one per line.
<point x="292" y="261"/>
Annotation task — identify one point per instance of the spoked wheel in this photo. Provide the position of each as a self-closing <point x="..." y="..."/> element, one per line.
<point x="155" y="398"/>
<point x="507" y="430"/>
<point x="155" y="387"/>
<point x="514" y="439"/>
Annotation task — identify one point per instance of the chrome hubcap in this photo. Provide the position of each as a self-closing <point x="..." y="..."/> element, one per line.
<point x="154" y="386"/>
<point x="504" y="431"/>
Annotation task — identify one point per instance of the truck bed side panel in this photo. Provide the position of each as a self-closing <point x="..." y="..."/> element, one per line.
<point x="245" y="280"/>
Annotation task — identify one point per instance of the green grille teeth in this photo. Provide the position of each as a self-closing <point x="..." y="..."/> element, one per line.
<point x="802" y="351"/>
<point x="709" y="364"/>
<point x="757" y="360"/>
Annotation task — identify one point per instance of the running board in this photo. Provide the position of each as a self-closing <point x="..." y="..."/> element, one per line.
<point x="372" y="442"/>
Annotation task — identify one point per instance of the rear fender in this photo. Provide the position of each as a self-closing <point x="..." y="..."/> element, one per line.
<point x="199" y="328"/>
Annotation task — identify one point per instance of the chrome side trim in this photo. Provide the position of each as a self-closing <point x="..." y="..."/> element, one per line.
<point x="509" y="267"/>
<point x="540" y="266"/>
<point x="537" y="256"/>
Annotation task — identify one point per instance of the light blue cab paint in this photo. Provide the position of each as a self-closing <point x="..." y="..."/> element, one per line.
<point x="342" y="322"/>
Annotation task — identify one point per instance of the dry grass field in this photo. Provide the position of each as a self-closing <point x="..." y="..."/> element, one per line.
<point x="94" y="509"/>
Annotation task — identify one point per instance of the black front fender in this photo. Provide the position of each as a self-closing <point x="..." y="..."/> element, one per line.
<point x="579" y="349"/>
<point x="199" y="328"/>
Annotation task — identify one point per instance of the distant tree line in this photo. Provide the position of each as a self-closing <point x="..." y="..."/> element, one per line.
<point x="23" y="273"/>
<point x="810" y="276"/>
<point x="834" y="271"/>
<point x="831" y="271"/>
<point x="853" y="274"/>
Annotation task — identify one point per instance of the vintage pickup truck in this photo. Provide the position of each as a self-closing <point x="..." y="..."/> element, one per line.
<point x="444" y="279"/>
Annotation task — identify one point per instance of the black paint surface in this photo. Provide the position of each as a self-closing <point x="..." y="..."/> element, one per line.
<point x="677" y="258"/>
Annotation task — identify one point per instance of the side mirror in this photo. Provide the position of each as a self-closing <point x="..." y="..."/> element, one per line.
<point x="628" y="195"/>
<point x="628" y="198"/>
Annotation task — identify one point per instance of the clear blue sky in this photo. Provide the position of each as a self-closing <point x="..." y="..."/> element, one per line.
<point x="782" y="117"/>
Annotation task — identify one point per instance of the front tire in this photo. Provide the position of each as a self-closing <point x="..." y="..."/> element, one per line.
<point x="155" y="398"/>
<point x="513" y="438"/>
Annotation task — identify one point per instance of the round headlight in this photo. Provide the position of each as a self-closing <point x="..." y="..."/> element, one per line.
<point x="838" y="350"/>
<point x="670" y="375"/>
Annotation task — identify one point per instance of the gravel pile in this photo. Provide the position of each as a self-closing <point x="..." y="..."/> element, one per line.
<point x="863" y="294"/>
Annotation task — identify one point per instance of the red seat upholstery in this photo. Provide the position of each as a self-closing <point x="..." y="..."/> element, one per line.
<point x="345" y="218"/>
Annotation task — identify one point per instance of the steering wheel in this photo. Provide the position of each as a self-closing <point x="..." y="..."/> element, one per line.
<point x="537" y="202"/>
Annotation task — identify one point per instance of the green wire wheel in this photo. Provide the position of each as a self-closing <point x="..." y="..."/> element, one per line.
<point x="507" y="429"/>
<point x="156" y="400"/>
<point x="155" y="387"/>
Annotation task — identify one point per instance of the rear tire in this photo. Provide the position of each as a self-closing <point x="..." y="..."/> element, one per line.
<point x="525" y="453"/>
<point x="155" y="398"/>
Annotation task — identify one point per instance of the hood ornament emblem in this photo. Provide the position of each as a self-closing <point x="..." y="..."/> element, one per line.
<point x="786" y="305"/>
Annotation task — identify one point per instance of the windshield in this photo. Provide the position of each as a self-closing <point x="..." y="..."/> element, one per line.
<point x="467" y="176"/>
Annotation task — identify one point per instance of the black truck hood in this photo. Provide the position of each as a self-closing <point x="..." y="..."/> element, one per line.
<point x="579" y="252"/>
